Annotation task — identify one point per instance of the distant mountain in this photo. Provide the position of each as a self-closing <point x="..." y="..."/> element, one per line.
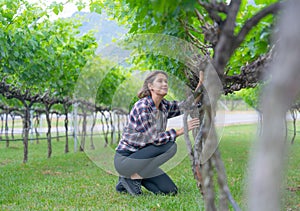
<point x="105" y="30"/>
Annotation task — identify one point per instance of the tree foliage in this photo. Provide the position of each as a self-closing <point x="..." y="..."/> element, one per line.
<point x="180" y="19"/>
<point x="39" y="54"/>
<point x="40" y="59"/>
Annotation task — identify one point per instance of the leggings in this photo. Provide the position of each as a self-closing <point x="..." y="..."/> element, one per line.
<point x="146" y="162"/>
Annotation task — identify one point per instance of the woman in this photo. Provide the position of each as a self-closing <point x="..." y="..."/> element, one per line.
<point x="145" y="144"/>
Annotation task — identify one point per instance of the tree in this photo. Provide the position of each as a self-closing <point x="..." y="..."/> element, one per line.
<point x="268" y="159"/>
<point x="228" y="35"/>
<point x="40" y="57"/>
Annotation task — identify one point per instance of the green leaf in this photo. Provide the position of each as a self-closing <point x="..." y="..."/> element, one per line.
<point x="96" y="7"/>
<point x="264" y="2"/>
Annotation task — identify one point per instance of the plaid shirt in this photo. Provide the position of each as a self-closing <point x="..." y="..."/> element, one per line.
<point x="147" y="124"/>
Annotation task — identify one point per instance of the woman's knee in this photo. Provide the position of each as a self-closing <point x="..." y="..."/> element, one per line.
<point x="161" y="184"/>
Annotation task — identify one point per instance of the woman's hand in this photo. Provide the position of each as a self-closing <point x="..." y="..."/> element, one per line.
<point x="201" y="79"/>
<point x="193" y="123"/>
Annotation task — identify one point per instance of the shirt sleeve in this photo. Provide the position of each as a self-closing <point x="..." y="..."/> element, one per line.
<point x="173" y="108"/>
<point x="147" y="125"/>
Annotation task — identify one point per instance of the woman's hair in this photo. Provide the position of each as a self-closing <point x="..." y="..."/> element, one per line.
<point x="144" y="91"/>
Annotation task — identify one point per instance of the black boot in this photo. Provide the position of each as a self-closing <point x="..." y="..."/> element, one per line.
<point x="120" y="188"/>
<point x="133" y="186"/>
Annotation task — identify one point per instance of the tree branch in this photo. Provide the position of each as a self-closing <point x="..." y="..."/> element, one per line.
<point x="250" y="23"/>
<point x="200" y="17"/>
<point x="224" y="48"/>
<point x="250" y="74"/>
<point x="188" y="28"/>
<point x="213" y="8"/>
<point x="230" y="22"/>
<point x="219" y="7"/>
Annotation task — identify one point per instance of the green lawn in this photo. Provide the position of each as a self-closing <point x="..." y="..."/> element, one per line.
<point x="76" y="181"/>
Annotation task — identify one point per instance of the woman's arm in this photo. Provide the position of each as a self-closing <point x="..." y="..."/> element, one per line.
<point x="148" y="132"/>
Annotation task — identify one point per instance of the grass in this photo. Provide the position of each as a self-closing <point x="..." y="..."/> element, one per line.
<point x="77" y="181"/>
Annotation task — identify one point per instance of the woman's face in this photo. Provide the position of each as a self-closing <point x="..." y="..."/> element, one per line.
<point x="159" y="85"/>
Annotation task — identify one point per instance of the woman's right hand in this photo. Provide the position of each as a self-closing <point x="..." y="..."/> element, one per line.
<point x="201" y="79"/>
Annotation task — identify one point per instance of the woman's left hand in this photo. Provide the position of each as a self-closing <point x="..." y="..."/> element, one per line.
<point x="193" y="123"/>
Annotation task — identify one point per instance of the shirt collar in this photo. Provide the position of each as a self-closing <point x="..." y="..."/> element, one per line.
<point x="161" y="105"/>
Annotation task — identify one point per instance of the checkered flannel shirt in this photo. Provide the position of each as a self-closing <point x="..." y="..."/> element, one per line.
<point x="147" y="124"/>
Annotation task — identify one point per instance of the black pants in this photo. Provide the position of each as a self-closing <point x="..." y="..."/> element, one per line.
<point x="146" y="163"/>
